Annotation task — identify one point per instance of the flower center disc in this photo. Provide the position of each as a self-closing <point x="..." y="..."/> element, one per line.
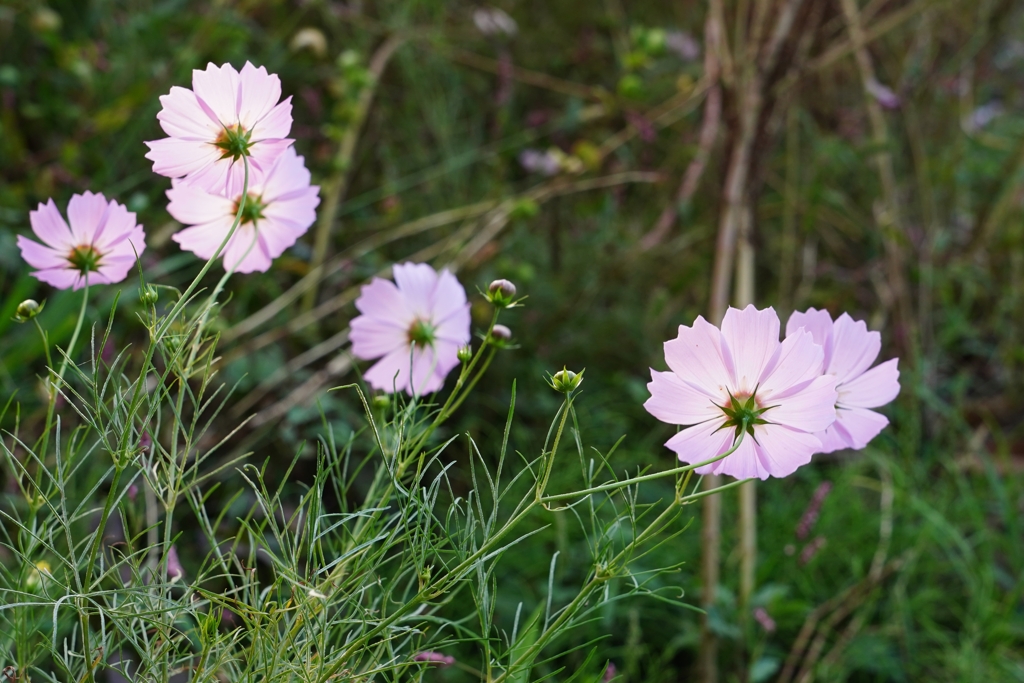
<point x="744" y="412"/>
<point x="421" y="334"/>
<point x="253" y="209"/>
<point x="84" y="258"/>
<point x="234" y="140"/>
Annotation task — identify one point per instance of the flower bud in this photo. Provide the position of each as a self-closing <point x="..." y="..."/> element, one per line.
<point x="34" y="579"/>
<point x="27" y="309"/>
<point x="566" y="381"/>
<point x="381" y="402"/>
<point x="148" y="295"/>
<point x="500" y="333"/>
<point x="501" y="293"/>
<point x="465" y="353"/>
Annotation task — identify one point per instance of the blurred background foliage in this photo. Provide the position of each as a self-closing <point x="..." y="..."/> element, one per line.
<point x="544" y="142"/>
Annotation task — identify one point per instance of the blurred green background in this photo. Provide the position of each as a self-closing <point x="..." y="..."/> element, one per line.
<point x="545" y="151"/>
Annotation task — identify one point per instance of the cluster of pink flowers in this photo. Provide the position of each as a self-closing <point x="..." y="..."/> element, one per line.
<point x="810" y="393"/>
<point x="229" y="122"/>
<point x="232" y="167"/>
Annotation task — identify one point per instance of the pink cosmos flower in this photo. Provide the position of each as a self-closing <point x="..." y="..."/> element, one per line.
<point x="850" y="349"/>
<point x="280" y="207"/>
<point x="414" y="325"/>
<point x="101" y="243"/>
<point x="742" y="380"/>
<point x="226" y="115"/>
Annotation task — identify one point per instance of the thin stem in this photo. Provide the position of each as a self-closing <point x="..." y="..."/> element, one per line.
<point x="55" y="384"/>
<point x="612" y="486"/>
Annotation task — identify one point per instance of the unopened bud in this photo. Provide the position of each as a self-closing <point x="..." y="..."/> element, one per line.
<point x="465" y="353"/>
<point x="501" y="293"/>
<point x="500" y="333"/>
<point x="148" y="295"/>
<point x="35" y="576"/>
<point x="381" y="402"/>
<point x="27" y="309"/>
<point x="566" y="381"/>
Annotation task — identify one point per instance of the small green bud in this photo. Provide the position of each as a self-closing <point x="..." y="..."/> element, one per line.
<point x="465" y="353"/>
<point x="148" y="295"/>
<point x="566" y="381"/>
<point x="39" y="570"/>
<point x="27" y="309"/>
<point x="381" y="402"/>
<point x="501" y="293"/>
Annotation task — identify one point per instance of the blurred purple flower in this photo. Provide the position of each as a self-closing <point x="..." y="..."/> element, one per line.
<point x="174" y="568"/>
<point x="609" y="673"/>
<point x="984" y="115"/>
<point x="810" y="516"/>
<point x="765" y="619"/>
<point x="683" y="44"/>
<point x="811" y="549"/>
<point x="883" y="94"/>
<point x="492" y="21"/>
<point x="438" y="658"/>
<point x="536" y="161"/>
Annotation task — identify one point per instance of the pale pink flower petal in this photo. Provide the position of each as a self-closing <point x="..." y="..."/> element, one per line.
<point x="183" y="117"/>
<point x="696" y="356"/>
<point x="452" y="328"/>
<point x="701" y="443"/>
<point x="809" y="409"/>
<point x="797" y="361"/>
<point x="744" y="379"/>
<point x="818" y="323"/>
<point x="50" y="227"/>
<point x="101" y="242"/>
<point x="417" y="281"/>
<point x="853" y="428"/>
<point x="675" y="402"/>
<point x="448" y="296"/>
<point x="874" y="388"/>
<point x="217" y="87"/>
<point x="781" y="449"/>
<point x="382" y="297"/>
<point x="391" y="373"/>
<point x="226" y="116"/>
<point x="854" y="348"/>
<point x="384" y="336"/>
<point x="204" y="238"/>
<point x="286" y="206"/>
<point x="87" y="216"/>
<point x="245" y="252"/>
<point x="850" y="350"/>
<point x="176" y="157"/>
<point x="39" y="256"/>
<point x="752" y="337"/>
<point x="415" y="327"/>
<point x="258" y="92"/>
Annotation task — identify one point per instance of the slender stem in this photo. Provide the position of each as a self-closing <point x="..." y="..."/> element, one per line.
<point x="55" y="384"/>
<point x="650" y="477"/>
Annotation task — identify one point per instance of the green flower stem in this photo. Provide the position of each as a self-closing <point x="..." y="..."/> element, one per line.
<point x="649" y="477"/>
<point x="549" y="463"/>
<point x="121" y="461"/>
<point x="54" y="385"/>
<point x="451" y="404"/>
